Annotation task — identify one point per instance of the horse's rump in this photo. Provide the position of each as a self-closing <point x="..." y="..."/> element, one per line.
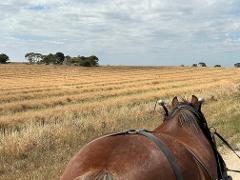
<point x="130" y="157"/>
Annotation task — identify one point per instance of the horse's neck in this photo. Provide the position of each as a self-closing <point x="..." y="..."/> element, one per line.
<point x="173" y="128"/>
<point x="170" y="127"/>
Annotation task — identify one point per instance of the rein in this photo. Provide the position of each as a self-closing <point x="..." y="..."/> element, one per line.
<point x="228" y="145"/>
<point x="225" y="142"/>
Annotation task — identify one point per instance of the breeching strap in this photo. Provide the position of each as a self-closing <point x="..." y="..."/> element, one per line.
<point x="166" y="151"/>
<point x="171" y="159"/>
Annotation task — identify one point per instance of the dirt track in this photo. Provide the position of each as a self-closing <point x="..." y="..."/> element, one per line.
<point x="232" y="162"/>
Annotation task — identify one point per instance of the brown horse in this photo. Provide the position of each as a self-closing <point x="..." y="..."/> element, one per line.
<point x="135" y="157"/>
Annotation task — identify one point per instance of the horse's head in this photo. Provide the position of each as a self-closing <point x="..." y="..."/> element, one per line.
<point x="195" y="103"/>
<point x="187" y="113"/>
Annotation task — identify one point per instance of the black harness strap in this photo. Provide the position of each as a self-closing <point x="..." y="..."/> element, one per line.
<point x="169" y="155"/>
<point x="166" y="151"/>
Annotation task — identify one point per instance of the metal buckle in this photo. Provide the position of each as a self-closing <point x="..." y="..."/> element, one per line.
<point x="132" y="131"/>
<point x="213" y="130"/>
<point x="136" y="131"/>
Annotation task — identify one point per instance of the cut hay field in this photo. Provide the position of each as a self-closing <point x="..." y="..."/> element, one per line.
<point x="48" y="112"/>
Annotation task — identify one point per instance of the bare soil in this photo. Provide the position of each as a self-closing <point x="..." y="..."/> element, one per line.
<point x="232" y="162"/>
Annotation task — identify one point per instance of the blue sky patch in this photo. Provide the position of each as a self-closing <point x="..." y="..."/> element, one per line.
<point x="234" y="35"/>
<point x="39" y="7"/>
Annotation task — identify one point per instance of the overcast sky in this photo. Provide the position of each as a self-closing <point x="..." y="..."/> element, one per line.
<point x="124" y="32"/>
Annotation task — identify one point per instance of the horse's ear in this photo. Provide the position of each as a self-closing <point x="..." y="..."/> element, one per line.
<point x="175" y="102"/>
<point x="195" y="103"/>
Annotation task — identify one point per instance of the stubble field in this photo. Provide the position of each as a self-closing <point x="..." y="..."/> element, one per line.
<point x="48" y="112"/>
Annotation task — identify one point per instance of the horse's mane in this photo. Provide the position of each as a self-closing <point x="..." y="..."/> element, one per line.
<point x="187" y="118"/>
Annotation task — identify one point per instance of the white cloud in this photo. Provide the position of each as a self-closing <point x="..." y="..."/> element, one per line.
<point x="123" y="30"/>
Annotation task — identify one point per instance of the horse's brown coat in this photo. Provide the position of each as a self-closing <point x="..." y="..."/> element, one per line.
<point x="134" y="157"/>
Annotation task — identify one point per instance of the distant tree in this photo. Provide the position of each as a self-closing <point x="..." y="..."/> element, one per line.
<point x="237" y="65"/>
<point x="68" y="57"/>
<point x="88" y="61"/>
<point x="3" y="58"/>
<point x="93" y="60"/>
<point x="34" y="58"/>
<point x="202" y="64"/>
<point x="49" y="59"/>
<point x="194" y="65"/>
<point x="67" y="60"/>
<point x="217" y="65"/>
<point x="73" y="60"/>
<point x="59" y="57"/>
<point x="85" y="62"/>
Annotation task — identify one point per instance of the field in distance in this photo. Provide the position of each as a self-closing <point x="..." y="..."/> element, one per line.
<point x="48" y="112"/>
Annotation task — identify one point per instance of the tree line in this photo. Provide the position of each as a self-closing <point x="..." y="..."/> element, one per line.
<point x="60" y="58"/>
<point x="203" y="64"/>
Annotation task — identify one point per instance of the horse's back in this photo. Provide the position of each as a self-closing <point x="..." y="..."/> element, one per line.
<point x="127" y="157"/>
